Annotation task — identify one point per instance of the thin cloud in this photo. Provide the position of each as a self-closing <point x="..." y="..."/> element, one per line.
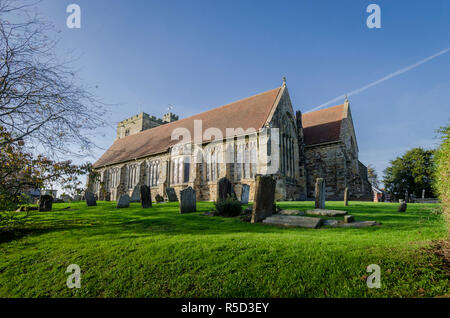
<point x="381" y="80"/>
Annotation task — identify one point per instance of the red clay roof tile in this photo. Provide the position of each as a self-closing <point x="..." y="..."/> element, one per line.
<point x="322" y="125"/>
<point x="251" y="112"/>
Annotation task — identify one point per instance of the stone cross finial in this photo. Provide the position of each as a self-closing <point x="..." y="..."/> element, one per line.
<point x="170" y="107"/>
<point x="346" y="98"/>
<point x="284" y="80"/>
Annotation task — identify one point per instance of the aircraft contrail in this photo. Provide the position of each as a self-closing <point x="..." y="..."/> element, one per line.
<point x="396" y="73"/>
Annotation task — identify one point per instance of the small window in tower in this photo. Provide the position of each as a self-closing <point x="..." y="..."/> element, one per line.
<point x="127" y="132"/>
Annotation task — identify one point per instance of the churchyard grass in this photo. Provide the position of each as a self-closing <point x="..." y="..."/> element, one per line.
<point x="158" y="252"/>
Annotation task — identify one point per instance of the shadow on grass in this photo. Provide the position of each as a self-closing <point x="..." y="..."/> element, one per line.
<point x="105" y="219"/>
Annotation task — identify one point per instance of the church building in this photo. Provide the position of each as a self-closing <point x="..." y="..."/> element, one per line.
<point x="260" y="134"/>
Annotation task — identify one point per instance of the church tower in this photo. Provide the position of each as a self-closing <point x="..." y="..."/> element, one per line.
<point x="141" y="122"/>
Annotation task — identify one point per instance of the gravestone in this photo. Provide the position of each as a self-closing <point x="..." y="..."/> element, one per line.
<point x="136" y="195"/>
<point x="291" y="212"/>
<point x="320" y="193"/>
<point x="264" y="201"/>
<point x="45" y="203"/>
<point x="146" y="197"/>
<point x="159" y="198"/>
<point x="245" y="193"/>
<point x="349" y="218"/>
<point x="171" y="194"/>
<point x="402" y="207"/>
<point x="346" y="196"/>
<point x="224" y="189"/>
<point x="77" y="197"/>
<point x="293" y="221"/>
<point x="188" y="201"/>
<point x="124" y="201"/>
<point x="90" y="199"/>
<point x="325" y="212"/>
<point x="423" y="193"/>
<point x="108" y="196"/>
<point x="66" y="198"/>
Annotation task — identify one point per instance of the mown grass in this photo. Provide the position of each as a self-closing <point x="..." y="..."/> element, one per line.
<point x="159" y="253"/>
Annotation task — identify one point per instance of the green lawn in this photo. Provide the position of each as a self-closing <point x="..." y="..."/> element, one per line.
<point x="159" y="253"/>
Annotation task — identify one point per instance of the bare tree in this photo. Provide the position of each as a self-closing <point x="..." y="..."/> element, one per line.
<point x="41" y="100"/>
<point x="372" y="176"/>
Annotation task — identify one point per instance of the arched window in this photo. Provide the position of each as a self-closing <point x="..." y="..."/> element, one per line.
<point x="153" y="173"/>
<point x="180" y="170"/>
<point x="175" y="171"/>
<point x="186" y="169"/>
<point x="253" y="159"/>
<point x="246" y="161"/>
<point x="113" y="179"/>
<point x="133" y="176"/>
<point x="213" y="165"/>
<point x="239" y="161"/>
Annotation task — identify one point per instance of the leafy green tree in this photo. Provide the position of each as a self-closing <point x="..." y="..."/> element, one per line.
<point x="411" y="172"/>
<point x="21" y="171"/>
<point x="442" y="172"/>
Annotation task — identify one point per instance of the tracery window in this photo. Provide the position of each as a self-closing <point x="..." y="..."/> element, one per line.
<point x="212" y="164"/>
<point x="113" y="178"/>
<point x="246" y="160"/>
<point x="133" y="176"/>
<point x="180" y="170"/>
<point x="153" y="173"/>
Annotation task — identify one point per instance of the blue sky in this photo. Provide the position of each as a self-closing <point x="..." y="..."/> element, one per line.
<point x="144" y="55"/>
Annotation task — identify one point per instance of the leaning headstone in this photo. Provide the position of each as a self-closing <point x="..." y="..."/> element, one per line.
<point x="263" y="205"/>
<point x="171" y="195"/>
<point x="188" y="201"/>
<point x="45" y="203"/>
<point x="346" y="196"/>
<point x="146" y="197"/>
<point x="245" y="193"/>
<point x="402" y="206"/>
<point x="320" y="193"/>
<point x="224" y="189"/>
<point x="124" y="201"/>
<point x="90" y="199"/>
<point x="159" y="198"/>
<point x="136" y="195"/>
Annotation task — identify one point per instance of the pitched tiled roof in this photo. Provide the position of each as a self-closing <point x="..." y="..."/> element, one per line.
<point x="251" y="112"/>
<point x="322" y="125"/>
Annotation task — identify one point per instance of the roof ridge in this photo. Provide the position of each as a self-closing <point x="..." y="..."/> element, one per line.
<point x="319" y="110"/>
<point x="248" y="112"/>
<point x="205" y="112"/>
